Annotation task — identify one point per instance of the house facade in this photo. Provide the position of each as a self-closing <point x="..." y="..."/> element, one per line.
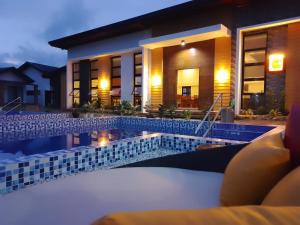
<point x="187" y="55"/>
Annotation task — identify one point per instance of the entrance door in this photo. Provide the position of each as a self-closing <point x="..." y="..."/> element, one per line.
<point x="188" y="88"/>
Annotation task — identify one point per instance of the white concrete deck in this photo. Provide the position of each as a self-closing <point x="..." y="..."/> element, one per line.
<point x="81" y="199"/>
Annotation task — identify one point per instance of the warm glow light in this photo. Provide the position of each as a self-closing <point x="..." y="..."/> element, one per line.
<point x="103" y="141"/>
<point x="103" y="84"/>
<point x="182" y="43"/>
<point x="156" y="81"/>
<point x="222" y="76"/>
<point x="276" y="62"/>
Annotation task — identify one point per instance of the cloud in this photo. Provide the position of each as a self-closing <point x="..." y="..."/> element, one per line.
<point x="72" y="17"/>
<point x="29" y="53"/>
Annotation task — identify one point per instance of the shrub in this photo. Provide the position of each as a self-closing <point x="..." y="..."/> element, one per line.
<point x="187" y="114"/>
<point x="75" y="113"/>
<point x="172" y="111"/>
<point x="162" y="111"/>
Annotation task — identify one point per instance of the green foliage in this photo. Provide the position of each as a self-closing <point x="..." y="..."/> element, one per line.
<point x="247" y="112"/>
<point x="172" y="111"/>
<point x="274" y="113"/>
<point x="261" y="110"/>
<point x="126" y="108"/>
<point x="162" y="111"/>
<point x="98" y="105"/>
<point x="87" y="108"/>
<point x="187" y="114"/>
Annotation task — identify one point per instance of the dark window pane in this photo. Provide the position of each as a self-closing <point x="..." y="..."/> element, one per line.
<point x="254" y="72"/>
<point x="94" y="65"/>
<point x="75" y="67"/>
<point x="138" y="59"/>
<point x="115" y="92"/>
<point x="116" y="82"/>
<point x="255" y="56"/>
<point x="76" y="76"/>
<point x="255" y="41"/>
<point x="94" y="74"/>
<point x="137" y="91"/>
<point x="116" y="72"/>
<point x="116" y="61"/>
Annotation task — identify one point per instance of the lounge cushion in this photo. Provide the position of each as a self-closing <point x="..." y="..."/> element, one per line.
<point x="252" y="172"/>
<point x="81" y="199"/>
<point x="247" y="215"/>
<point x="292" y="140"/>
<point x="286" y="192"/>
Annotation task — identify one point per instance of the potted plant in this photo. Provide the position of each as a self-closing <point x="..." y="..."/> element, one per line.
<point x="187" y="114"/>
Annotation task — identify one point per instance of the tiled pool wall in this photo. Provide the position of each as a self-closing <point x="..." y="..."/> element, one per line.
<point x="30" y="170"/>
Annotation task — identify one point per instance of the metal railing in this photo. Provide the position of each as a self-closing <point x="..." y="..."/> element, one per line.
<point x="219" y="98"/>
<point x="11" y="106"/>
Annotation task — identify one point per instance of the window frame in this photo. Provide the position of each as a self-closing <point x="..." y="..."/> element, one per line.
<point x="137" y="98"/>
<point x="73" y="80"/>
<point x="118" y="97"/>
<point x="93" y="79"/>
<point x="264" y="79"/>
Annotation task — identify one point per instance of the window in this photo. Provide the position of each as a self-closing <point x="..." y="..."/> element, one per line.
<point x="94" y="81"/>
<point x="137" y="82"/>
<point x="186" y="91"/>
<point x="254" y="67"/>
<point x="76" y="84"/>
<point x="115" y="80"/>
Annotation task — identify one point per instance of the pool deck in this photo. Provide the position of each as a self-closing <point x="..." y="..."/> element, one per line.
<point x="81" y="199"/>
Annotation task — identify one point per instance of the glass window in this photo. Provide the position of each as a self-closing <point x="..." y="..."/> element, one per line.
<point x="94" y="84"/>
<point x="255" y="57"/>
<point x="252" y="72"/>
<point x="116" y="72"/>
<point x="116" y="82"/>
<point x="254" y="87"/>
<point x="138" y="80"/>
<point x="76" y="76"/>
<point x="75" y="67"/>
<point x="94" y="74"/>
<point x="94" y="64"/>
<point x="138" y="69"/>
<point x="76" y="84"/>
<point x="186" y="91"/>
<point x="255" y="41"/>
<point x="116" y="62"/>
<point x="138" y="91"/>
<point x="138" y="58"/>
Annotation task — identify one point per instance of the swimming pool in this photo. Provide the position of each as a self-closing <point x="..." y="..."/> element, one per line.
<point x="38" y="148"/>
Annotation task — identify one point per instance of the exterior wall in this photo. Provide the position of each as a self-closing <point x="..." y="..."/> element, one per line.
<point x="63" y="92"/>
<point x="156" y="77"/>
<point x="103" y="65"/>
<point x="275" y="82"/>
<point x="222" y="70"/>
<point x="293" y="66"/>
<point x="197" y="55"/>
<point x="43" y="85"/>
<point x="127" y="72"/>
<point x="109" y="46"/>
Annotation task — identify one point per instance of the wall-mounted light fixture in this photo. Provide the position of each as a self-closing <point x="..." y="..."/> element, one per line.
<point x="156" y="81"/>
<point x="276" y="62"/>
<point x="182" y="43"/>
<point x="103" y="84"/>
<point x="222" y="76"/>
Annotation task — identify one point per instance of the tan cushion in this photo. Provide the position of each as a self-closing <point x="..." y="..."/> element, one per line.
<point x="252" y="173"/>
<point x="286" y="192"/>
<point x="246" y="215"/>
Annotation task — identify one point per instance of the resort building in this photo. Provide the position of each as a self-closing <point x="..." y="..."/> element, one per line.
<point x="188" y="54"/>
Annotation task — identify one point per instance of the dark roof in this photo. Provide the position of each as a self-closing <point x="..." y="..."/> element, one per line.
<point x="40" y="67"/>
<point x="17" y="72"/>
<point x="134" y="24"/>
<point x="56" y="72"/>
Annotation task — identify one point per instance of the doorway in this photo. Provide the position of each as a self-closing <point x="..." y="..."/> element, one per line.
<point x="187" y="88"/>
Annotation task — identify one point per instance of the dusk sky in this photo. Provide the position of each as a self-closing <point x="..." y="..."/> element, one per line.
<point x="27" y="26"/>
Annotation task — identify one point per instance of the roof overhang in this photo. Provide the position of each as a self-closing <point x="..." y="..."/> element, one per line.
<point x="189" y="36"/>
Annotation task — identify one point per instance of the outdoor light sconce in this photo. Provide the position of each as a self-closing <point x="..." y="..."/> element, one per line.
<point x="276" y="62"/>
<point x="182" y="43"/>
<point x="156" y="81"/>
<point x="222" y="76"/>
<point x="103" y="84"/>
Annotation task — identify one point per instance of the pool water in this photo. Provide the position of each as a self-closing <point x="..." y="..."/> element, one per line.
<point x="94" y="138"/>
